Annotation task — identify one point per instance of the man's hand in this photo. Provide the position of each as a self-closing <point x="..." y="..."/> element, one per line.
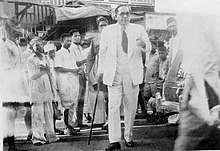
<point x="79" y="71"/>
<point x="141" y="43"/>
<point x="44" y="68"/>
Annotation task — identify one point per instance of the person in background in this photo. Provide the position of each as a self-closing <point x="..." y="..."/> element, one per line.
<point x="41" y="95"/>
<point x="141" y="99"/>
<point x="32" y="40"/>
<point x="173" y="84"/>
<point x="67" y="82"/>
<point x="175" y="40"/>
<point x="120" y="66"/>
<point x="151" y="77"/>
<point x="80" y="56"/>
<point x="91" y="68"/>
<point x="163" y="69"/>
<point x="50" y="50"/>
<point x="14" y="91"/>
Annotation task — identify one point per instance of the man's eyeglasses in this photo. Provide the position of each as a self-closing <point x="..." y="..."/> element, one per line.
<point x="124" y="13"/>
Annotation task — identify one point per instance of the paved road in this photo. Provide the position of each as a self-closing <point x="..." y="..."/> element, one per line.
<point x="146" y="137"/>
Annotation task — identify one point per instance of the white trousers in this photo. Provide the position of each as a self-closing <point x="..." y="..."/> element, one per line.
<point x="129" y="92"/>
<point x="100" y="107"/>
<point x="9" y="117"/>
<point x="42" y="122"/>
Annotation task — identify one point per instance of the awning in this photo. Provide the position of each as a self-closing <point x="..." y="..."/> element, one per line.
<point x="69" y="13"/>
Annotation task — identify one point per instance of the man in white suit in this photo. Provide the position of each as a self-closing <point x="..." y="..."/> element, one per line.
<point x="120" y="64"/>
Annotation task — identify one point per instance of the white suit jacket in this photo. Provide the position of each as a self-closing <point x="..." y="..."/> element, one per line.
<point x="108" y="52"/>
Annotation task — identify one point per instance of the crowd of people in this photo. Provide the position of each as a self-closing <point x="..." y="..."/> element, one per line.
<point x="120" y="64"/>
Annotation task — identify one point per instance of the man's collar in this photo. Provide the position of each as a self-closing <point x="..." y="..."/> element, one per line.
<point x="65" y="49"/>
<point x="121" y="27"/>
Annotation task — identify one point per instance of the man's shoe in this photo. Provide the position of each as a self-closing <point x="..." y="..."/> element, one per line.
<point x="59" y="132"/>
<point x="113" y="146"/>
<point x="129" y="144"/>
<point x="69" y="131"/>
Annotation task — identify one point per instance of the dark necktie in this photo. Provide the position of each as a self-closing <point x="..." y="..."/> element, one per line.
<point x="124" y="42"/>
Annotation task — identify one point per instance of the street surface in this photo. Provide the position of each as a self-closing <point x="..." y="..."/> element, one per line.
<point x="147" y="137"/>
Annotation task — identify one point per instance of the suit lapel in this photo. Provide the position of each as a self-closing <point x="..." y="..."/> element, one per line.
<point x="114" y="39"/>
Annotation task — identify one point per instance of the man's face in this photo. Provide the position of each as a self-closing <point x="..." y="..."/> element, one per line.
<point x="101" y="25"/>
<point x="67" y="42"/>
<point x="76" y="38"/>
<point x="123" y="15"/>
<point x="172" y="28"/>
<point x="162" y="55"/>
<point x="52" y="53"/>
<point x="40" y="47"/>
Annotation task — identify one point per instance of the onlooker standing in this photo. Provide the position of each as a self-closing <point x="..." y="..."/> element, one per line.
<point x="14" y="87"/>
<point x="80" y="56"/>
<point x="67" y="82"/>
<point x="50" y="50"/>
<point x="41" y="95"/>
<point x="151" y="75"/>
<point x="172" y="87"/>
<point x="120" y="64"/>
<point x="91" y="67"/>
<point x="24" y="57"/>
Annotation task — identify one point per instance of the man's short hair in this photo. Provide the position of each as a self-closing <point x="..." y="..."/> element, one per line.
<point x="63" y="36"/>
<point x="121" y="5"/>
<point x="170" y="20"/>
<point x="162" y="49"/>
<point x="100" y="19"/>
<point x="73" y="31"/>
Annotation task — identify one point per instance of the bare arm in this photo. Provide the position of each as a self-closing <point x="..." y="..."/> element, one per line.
<point x="66" y="70"/>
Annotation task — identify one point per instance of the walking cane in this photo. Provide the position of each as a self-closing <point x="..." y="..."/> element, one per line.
<point x="93" y="116"/>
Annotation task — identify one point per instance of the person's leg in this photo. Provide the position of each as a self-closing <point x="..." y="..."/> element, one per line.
<point x="49" y="127"/>
<point x="147" y="91"/>
<point x="114" y="124"/>
<point x="130" y="106"/>
<point x="87" y="108"/>
<point x="9" y="116"/>
<point x="38" y="123"/>
<point x="27" y="120"/>
<point x="82" y="91"/>
<point x="141" y="99"/>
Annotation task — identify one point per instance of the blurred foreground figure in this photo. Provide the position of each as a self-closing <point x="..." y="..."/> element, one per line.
<point x="199" y="116"/>
<point x="14" y="86"/>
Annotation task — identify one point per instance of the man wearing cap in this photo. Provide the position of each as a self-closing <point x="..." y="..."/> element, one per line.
<point x="120" y="65"/>
<point x="41" y="95"/>
<point x="50" y="50"/>
<point x="24" y="56"/>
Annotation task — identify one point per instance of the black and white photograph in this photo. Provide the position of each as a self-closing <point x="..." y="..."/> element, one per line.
<point x="109" y="75"/>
